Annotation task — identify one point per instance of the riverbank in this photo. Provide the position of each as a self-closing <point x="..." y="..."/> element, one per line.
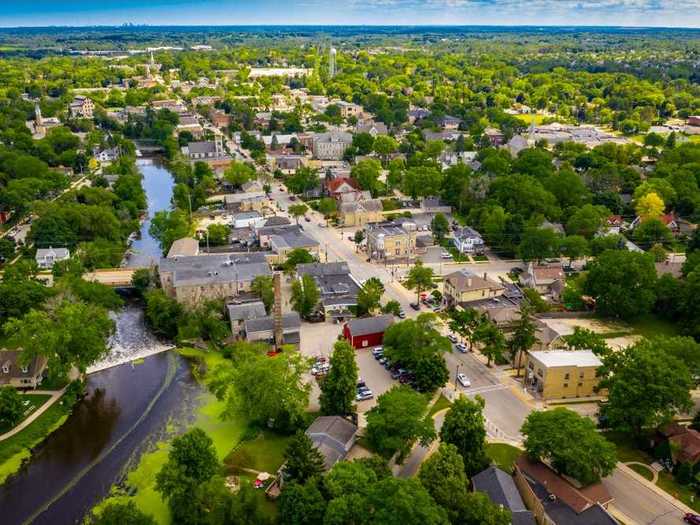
<point x="139" y="485"/>
<point x="17" y="448"/>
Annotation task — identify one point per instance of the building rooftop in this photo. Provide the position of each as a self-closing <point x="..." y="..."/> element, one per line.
<point x="334" y="280"/>
<point x="202" y="147"/>
<point x="333" y="437"/>
<point x="290" y="322"/>
<point x="464" y="280"/>
<point x="211" y="269"/>
<point x="370" y="325"/>
<point x="557" y="358"/>
<point x="185" y="247"/>
<point x="10" y="361"/>
<point x="246" y="311"/>
<point x="58" y="253"/>
<point x="500" y="487"/>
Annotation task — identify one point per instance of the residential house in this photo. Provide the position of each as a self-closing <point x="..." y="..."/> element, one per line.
<point x="495" y="136"/>
<point x="106" y="155"/>
<point x="468" y="240"/>
<point x="464" y="286"/>
<point x="694" y="120"/>
<point x="554" y="500"/>
<point x="333" y="436"/>
<point x="251" y="201"/>
<point x="562" y="374"/>
<point x="190" y="123"/>
<point x="500" y="487"/>
<point x="203" y="150"/>
<point x="368" y="331"/>
<point x="331" y="145"/>
<point x="337" y="286"/>
<point x="192" y="279"/>
<point x="349" y="109"/>
<point x="390" y="242"/>
<point x="341" y="185"/>
<point x="46" y="257"/>
<point x="185" y="247"/>
<point x="263" y="329"/>
<point x="238" y="313"/>
<point x="13" y="372"/>
<point x="81" y="107"/>
<point x="449" y="122"/>
<point x="283" y="239"/>
<point x="360" y="213"/>
<point x="685" y="446"/>
<point x="543" y="278"/>
<point x="219" y="118"/>
<point x="248" y="219"/>
<point x="287" y="164"/>
<point x="371" y="127"/>
<point x="517" y="144"/>
<point x="418" y="114"/>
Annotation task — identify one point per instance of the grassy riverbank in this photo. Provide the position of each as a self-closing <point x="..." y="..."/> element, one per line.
<point x="17" y="448"/>
<point x="226" y="434"/>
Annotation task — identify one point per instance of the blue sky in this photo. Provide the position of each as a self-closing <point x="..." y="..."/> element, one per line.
<point x="669" y="13"/>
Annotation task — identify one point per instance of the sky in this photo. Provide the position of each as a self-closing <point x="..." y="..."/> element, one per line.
<point x="644" y="13"/>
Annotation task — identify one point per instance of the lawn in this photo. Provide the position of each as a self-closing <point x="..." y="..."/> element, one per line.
<point x="642" y="471"/>
<point x="17" y="448"/>
<point x="650" y="325"/>
<point x="441" y="404"/>
<point x="503" y="455"/>
<point x="627" y="449"/>
<point x="31" y="403"/>
<point x="264" y="453"/>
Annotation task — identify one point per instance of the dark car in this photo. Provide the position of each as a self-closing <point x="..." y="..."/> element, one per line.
<point x="415" y="306"/>
<point x="693" y="519"/>
<point x="307" y="219"/>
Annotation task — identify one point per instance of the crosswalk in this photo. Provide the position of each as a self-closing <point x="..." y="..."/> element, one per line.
<point x="484" y="389"/>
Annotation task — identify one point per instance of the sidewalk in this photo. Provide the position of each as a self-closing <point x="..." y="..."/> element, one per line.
<point x="55" y="396"/>
<point x="655" y="488"/>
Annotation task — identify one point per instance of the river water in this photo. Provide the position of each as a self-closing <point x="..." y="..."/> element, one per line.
<point x="126" y="410"/>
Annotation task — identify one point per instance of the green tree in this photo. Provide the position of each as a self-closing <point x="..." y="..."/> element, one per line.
<point x="464" y="428"/>
<point x="399" y="419"/>
<point x="217" y="234"/>
<point x="570" y="444"/>
<point x="421" y="181"/>
<point x="298" y="210"/>
<point x="163" y="313"/>
<point x="622" y="284"/>
<point x="121" y="514"/>
<point x="538" y="244"/>
<point x="304" y="179"/>
<point x="443" y="476"/>
<point x="464" y="323"/>
<point x="263" y="287"/>
<point x="339" y="386"/>
<point x="419" y="278"/>
<point x="11" y="407"/>
<point x="478" y="509"/>
<point x="574" y="247"/>
<point x="68" y="335"/>
<point x="366" y="173"/>
<point x="493" y="342"/>
<point x="404" y="502"/>
<point x="305" y="296"/>
<point x="358" y="238"/>
<point x="302" y="460"/>
<point x="327" y="206"/>
<point x="245" y="508"/>
<point x="192" y="461"/>
<point x="238" y="173"/>
<point x="418" y="346"/>
<point x="252" y="387"/>
<point x="587" y="220"/>
<point x="440" y="227"/>
<point x="523" y="336"/>
<point x="363" y="142"/>
<point x="369" y="296"/>
<point x="7" y="249"/>
<point x="384" y="145"/>
<point x="392" y="307"/>
<point x="663" y="379"/>
<point x="651" y="232"/>
<point x="297" y="256"/>
<point x="168" y="226"/>
<point x="301" y="504"/>
<point x="141" y="280"/>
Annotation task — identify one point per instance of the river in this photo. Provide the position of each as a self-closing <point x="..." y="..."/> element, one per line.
<point x="127" y="408"/>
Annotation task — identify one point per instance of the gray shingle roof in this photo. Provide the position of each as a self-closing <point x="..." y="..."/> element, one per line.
<point x="245" y="311"/>
<point x="290" y="321"/>
<point x="370" y="325"/>
<point x="500" y="488"/>
<point x="202" y="147"/>
<point x="333" y="436"/>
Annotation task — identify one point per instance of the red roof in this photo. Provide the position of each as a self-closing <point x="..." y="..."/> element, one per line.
<point x="667" y="218"/>
<point x="337" y="183"/>
<point x="687" y="446"/>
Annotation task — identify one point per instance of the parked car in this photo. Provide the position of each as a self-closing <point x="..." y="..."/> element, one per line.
<point x="383" y="360"/>
<point x="464" y="380"/>
<point x="446" y="255"/>
<point x="452" y="338"/>
<point x="307" y="219"/>
<point x="461" y="347"/>
<point x="415" y="306"/>
<point x="402" y="314"/>
<point x="364" y="394"/>
<point x="693" y="519"/>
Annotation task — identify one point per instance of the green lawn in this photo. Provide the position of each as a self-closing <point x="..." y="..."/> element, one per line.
<point x="503" y="455"/>
<point x="627" y="449"/>
<point x="650" y="325"/>
<point x="441" y="404"/>
<point x="31" y="403"/>
<point x="16" y="449"/>
<point x="642" y="471"/>
<point x="265" y="453"/>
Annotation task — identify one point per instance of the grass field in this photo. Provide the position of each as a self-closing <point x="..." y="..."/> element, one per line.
<point x="265" y="453"/>
<point x="503" y="455"/>
<point x="441" y="404"/>
<point x="642" y="471"/>
<point x="17" y="448"/>
<point x="32" y="402"/>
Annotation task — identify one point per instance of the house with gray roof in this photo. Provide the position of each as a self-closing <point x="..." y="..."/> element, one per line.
<point x="263" y="329"/>
<point x="333" y="436"/>
<point x="468" y="240"/>
<point x="47" y="257"/>
<point x="238" y="313"/>
<point x="14" y="372"/>
<point x="193" y="279"/>
<point x="501" y="489"/>
<point x="337" y="286"/>
<point x="331" y="145"/>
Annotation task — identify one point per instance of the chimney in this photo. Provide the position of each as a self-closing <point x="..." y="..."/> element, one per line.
<point x="277" y="311"/>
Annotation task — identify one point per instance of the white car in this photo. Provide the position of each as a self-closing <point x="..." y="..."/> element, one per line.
<point x="446" y="255"/>
<point x="463" y="380"/>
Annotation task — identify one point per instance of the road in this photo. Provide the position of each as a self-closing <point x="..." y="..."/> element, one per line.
<point x="504" y="410"/>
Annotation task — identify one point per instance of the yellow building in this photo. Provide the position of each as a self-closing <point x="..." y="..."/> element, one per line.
<point x="359" y="213"/>
<point x="464" y="286"/>
<point x="560" y="374"/>
<point x="390" y="242"/>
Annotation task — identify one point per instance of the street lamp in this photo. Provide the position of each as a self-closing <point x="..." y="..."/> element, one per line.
<point x="456" y="376"/>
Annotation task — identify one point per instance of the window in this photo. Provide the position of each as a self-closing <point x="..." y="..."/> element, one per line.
<point x="566" y="385"/>
<point x="5" y="369"/>
<point x="580" y="384"/>
<point x="581" y="374"/>
<point x="566" y="376"/>
<point x="25" y="369"/>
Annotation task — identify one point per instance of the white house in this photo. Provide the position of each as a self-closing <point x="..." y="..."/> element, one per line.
<point x="468" y="240"/>
<point x="46" y="258"/>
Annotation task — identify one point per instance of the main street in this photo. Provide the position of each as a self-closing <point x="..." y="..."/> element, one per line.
<point x="504" y="409"/>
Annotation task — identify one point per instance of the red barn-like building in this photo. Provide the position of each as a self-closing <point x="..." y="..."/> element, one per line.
<point x="367" y="332"/>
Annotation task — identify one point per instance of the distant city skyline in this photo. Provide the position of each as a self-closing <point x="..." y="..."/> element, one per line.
<point x="633" y="13"/>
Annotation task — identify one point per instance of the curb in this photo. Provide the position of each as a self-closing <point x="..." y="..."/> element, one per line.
<point x="651" y="486"/>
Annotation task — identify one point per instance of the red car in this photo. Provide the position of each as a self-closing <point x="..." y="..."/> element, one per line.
<point x="693" y="519"/>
